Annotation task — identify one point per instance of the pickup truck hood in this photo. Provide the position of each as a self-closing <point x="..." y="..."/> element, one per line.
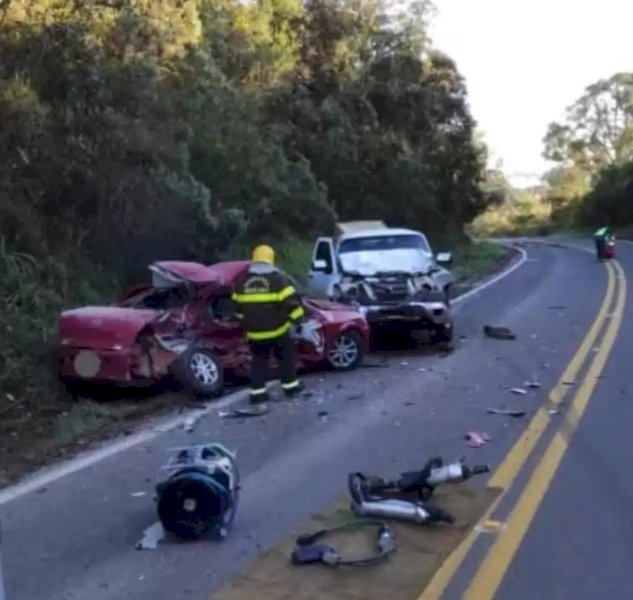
<point x="371" y="262"/>
<point x="103" y="327"/>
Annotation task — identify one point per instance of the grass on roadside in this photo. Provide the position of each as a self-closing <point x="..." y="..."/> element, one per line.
<point x="477" y="259"/>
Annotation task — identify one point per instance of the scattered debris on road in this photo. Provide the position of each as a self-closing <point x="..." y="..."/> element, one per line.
<point x="518" y="391"/>
<point x="557" y="307"/>
<point x="553" y="411"/>
<point x="499" y="333"/>
<point x="421" y="482"/>
<point x="190" y="423"/>
<point x="248" y="411"/>
<point x="508" y="412"/>
<point x="356" y="397"/>
<point x="307" y="551"/>
<point x="569" y="383"/>
<point x="152" y="536"/>
<point x="323" y="413"/>
<point x="476" y="439"/>
<point x="532" y="385"/>
<point x="138" y="494"/>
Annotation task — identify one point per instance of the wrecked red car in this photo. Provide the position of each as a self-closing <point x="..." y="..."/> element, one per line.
<point x="183" y="325"/>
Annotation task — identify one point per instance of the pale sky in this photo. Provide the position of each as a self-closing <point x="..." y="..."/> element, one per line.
<point x="525" y="61"/>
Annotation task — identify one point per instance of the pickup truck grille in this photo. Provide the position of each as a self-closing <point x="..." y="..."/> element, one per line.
<point x="391" y="291"/>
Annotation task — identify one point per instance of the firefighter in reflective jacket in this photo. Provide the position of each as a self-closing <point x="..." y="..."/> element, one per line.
<point x="269" y="308"/>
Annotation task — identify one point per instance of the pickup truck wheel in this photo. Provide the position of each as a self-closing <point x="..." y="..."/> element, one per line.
<point x="346" y="352"/>
<point x="442" y="336"/>
<point x="200" y="372"/>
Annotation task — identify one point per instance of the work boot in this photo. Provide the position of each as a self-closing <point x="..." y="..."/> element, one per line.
<point x="292" y="389"/>
<point x="259" y="399"/>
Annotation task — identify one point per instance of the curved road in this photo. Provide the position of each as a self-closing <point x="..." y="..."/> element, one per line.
<point x="567" y="509"/>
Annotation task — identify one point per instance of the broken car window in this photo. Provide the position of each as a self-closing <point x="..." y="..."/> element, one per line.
<point x="161" y="298"/>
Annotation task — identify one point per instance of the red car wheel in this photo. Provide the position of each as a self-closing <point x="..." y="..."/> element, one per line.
<point x="200" y="371"/>
<point x="346" y="352"/>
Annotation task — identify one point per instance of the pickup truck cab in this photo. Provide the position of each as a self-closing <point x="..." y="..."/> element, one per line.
<point x="390" y="275"/>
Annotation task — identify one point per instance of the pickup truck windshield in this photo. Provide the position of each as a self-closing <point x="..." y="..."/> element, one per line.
<point x="384" y="242"/>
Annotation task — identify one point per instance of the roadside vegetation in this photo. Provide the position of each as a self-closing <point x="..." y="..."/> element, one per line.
<point x="591" y="182"/>
<point x="136" y="131"/>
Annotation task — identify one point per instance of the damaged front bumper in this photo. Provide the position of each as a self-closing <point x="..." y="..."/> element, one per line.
<point x="435" y="314"/>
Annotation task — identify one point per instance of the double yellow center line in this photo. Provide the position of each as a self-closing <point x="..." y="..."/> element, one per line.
<point x="491" y="571"/>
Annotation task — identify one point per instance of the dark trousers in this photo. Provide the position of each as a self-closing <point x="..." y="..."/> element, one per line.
<point x="283" y="349"/>
<point x="600" y="245"/>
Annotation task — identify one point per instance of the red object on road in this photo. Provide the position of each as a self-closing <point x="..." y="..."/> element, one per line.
<point x="183" y="324"/>
<point x="609" y="249"/>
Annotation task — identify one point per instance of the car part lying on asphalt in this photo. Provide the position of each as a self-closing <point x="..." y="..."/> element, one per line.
<point x="256" y="410"/>
<point x="200" y="492"/>
<point x="499" y="333"/>
<point x="518" y="391"/>
<point x="424" y="481"/>
<point x="506" y="412"/>
<point x="370" y="505"/>
<point x="306" y="551"/>
<point x="184" y="325"/>
<point x="476" y="439"/>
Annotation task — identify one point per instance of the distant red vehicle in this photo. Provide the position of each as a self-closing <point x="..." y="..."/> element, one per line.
<point x="183" y="325"/>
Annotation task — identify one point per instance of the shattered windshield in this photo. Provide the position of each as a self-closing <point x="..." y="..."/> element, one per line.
<point x="384" y="242"/>
<point x="163" y="298"/>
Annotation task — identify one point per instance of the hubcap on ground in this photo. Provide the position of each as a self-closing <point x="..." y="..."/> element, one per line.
<point x="344" y="352"/>
<point x="203" y="368"/>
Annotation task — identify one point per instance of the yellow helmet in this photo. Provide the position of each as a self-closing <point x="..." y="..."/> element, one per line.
<point x="264" y="254"/>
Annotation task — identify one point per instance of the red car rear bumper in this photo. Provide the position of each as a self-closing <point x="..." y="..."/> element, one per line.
<point x="97" y="366"/>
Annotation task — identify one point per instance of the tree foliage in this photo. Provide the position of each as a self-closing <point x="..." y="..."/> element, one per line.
<point x="594" y="152"/>
<point x="165" y="127"/>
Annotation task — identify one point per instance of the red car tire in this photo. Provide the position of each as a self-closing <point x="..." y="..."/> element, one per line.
<point x="200" y="371"/>
<point x="346" y="352"/>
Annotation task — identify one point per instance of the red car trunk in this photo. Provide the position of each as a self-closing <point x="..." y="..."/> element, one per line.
<point x="103" y="327"/>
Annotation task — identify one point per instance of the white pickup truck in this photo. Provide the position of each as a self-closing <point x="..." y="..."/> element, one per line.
<point x="390" y="275"/>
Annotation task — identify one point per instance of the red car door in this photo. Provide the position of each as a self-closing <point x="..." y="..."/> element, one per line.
<point x="223" y="334"/>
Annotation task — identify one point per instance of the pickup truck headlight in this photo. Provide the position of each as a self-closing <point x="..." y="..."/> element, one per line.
<point x="423" y="284"/>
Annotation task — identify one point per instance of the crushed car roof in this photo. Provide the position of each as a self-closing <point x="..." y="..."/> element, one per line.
<point x="223" y="273"/>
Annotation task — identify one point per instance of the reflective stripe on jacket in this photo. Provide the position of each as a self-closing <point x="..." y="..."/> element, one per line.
<point x="268" y="303"/>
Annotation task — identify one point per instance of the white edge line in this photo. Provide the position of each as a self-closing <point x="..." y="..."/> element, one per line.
<point x="496" y="278"/>
<point x="47" y="475"/>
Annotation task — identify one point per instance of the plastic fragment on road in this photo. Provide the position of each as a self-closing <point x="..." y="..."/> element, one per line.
<point x="138" y="494"/>
<point x="189" y="424"/>
<point x="508" y="412"/>
<point x="476" y="439"/>
<point x="248" y="411"/>
<point x="499" y="333"/>
<point x="152" y="536"/>
<point x="532" y="385"/>
<point x="518" y="391"/>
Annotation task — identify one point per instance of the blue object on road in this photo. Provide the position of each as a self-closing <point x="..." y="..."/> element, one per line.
<point x="201" y="491"/>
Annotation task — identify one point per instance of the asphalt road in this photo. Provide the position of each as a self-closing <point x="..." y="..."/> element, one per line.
<point x="75" y="538"/>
